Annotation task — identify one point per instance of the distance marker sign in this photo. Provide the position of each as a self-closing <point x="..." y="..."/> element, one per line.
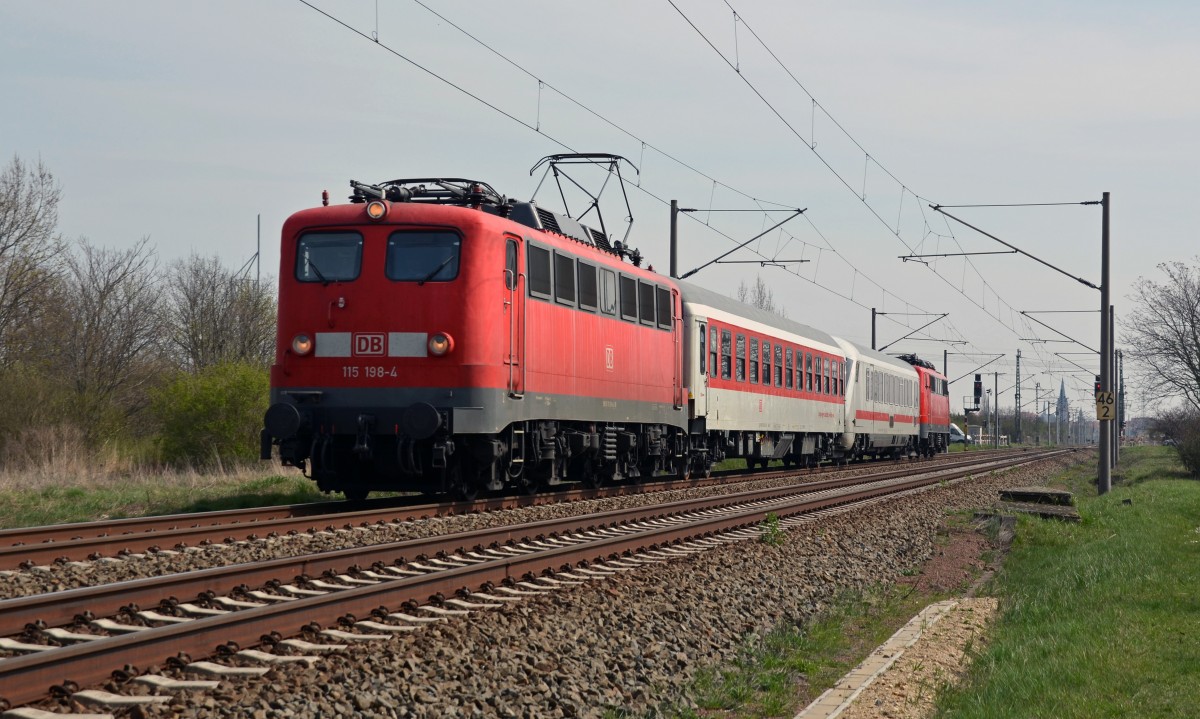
<point x="1106" y="406"/>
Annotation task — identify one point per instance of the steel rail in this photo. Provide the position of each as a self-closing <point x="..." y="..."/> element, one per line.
<point x="68" y="541"/>
<point x="28" y="678"/>
<point x="59" y="608"/>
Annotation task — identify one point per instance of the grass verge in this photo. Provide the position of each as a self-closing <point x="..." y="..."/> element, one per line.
<point x="1100" y="618"/>
<point x="792" y="665"/>
<point x="143" y="494"/>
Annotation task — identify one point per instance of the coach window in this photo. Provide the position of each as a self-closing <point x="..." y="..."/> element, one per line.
<point x="726" y="354"/>
<point x="828" y="387"/>
<point x="766" y="363"/>
<point x="629" y="299"/>
<point x="703" y="349"/>
<point x="646" y="302"/>
<point x="808" y="370"/>
<point x="588" y="290"/>
<point x="564" y="278"/>
<point x="741" y="358"/>
<point x="754" y="360"/>
<point x="666" y="309"/>
<point x="423" y="256"/>
<point x="510" y="264"/>
<point x="712" y="352"/>
<point x="329" y="256"/>
<point x="608" y="292"/>
<point x="538" y="261"/>
<point x="790" y="365"/>
<point x="778" y="365"/>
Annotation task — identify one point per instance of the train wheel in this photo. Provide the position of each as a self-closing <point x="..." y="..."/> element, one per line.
<point x="356" y="495"/>
<point x="583" y="471"/>
<point x="464" y="485"/>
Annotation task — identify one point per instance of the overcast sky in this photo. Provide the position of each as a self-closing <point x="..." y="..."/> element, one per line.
<point x="184" y="122"/>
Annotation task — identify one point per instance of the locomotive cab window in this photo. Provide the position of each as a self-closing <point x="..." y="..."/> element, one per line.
<point x="666" y="311"/>
<point x="646" y="302"/>
<point x="510" y="264"/>
<point x="538" y="259"/>
<point x="328" y="256"/>
<point x="608" y="292"/>
<point x="589" y="297"/>
<point x="629" y="299"/>
<point x="423" y="256"/>
<point x="564" y="278"/>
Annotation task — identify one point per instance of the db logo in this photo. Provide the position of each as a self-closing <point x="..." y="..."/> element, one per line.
<point x="608" y="358"/>
<point x="368" y="344"/>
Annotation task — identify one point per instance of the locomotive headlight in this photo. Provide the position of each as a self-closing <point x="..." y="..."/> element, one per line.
<point x="302" y="344"/>
<point x="440" y="344"/>
<point x="376" y="210"/>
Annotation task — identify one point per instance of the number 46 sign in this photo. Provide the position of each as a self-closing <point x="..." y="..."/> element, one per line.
<point x="1106" y="406"/>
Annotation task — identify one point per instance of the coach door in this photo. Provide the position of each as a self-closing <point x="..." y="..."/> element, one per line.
<point x="514" y="309"/>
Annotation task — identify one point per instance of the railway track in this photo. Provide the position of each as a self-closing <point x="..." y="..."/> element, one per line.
<point x="34" y="546"/>
<point x="398" y="585"/>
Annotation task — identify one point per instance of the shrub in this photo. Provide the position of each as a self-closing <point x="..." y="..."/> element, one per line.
<point x="214" y="416"/>
<point x="1181" y="427"/>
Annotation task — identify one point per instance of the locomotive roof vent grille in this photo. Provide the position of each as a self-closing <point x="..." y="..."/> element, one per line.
<point x="547" y="219"/>
<point x="600" y="240"/>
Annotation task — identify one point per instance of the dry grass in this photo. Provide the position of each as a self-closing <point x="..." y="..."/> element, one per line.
<point x="54" y="457"/>
<point x="48" y="476"/>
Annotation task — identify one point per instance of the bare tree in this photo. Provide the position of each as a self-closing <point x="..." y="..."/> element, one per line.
<point x="759" y="296"/>
<point x="29" y="249"/>
<point x="1163" y="333"/>
<point x="214" y="316"/>
<point x="108" y="331"/>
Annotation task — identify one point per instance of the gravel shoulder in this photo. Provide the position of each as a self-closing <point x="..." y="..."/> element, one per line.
<point x="939" y="658"/>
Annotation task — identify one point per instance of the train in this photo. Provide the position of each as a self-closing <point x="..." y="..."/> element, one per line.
<point x="436" y="336"/>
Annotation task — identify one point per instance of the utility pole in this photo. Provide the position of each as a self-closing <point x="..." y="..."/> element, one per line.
<point x="674" y="239"/>
<point x="872" y="328"/>
<point x="1121" y="395"/>
<point x="1047" y="422"/>
<point x="1037" y="396"/>
<point x="1104" y="473"/>
<point x="1114" y="424"/>
<point x="1017" y="399"/>
<point x="996" y="410"/>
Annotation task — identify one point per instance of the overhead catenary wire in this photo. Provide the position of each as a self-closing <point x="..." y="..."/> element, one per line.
<point x="536" y="127"/>
<point x="867" y="158"/>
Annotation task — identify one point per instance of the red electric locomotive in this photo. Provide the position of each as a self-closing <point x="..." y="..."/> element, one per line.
<point x="935" y="407"/>
<point x="436" y="336"/>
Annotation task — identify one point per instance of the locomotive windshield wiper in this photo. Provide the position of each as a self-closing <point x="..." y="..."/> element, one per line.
<point x="313" y="266"/>
<point x="437" y="269"/>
